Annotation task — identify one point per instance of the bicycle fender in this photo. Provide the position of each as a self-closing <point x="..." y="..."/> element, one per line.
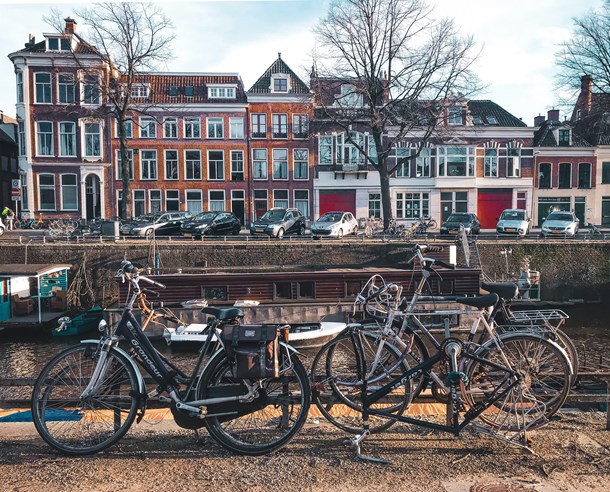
<point x="141" y="385"/>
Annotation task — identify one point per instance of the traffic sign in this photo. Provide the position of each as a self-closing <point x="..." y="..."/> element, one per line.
<point x="15" y="183"/>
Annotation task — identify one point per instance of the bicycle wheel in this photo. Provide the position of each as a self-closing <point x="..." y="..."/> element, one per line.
<point x="79" y="426"/>
<point x="431" y="224"/>
<point x="337" y="392"/>
<point x="566" y="343"/>
<point x="546" y="377"/>
<point x="265" y="423"/>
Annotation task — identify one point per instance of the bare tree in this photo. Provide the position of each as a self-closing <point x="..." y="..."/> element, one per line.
<point x="128" y="39"/>
<point x="587" y="52"/>
<point x="402" y="67"/>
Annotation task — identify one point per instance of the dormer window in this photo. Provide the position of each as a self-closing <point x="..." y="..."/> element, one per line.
<point x="173" y="91"/>
<point x="476" y="120"/>
<point x="279" y="83"/>
<point x="189" y="91"/>
<point x="350" y="96"/>
<point x="492" y="120"/>
<point x="221" y="92"/>
<point x="564" y="137"/>
<point x="139" y="90"/>
<point x="58" y="44"/>
<point x="454" y="115"/>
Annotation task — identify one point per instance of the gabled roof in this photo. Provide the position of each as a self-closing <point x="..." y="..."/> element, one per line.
<point x="491" y="114"/>
<point x="545" y="135"/>
<point x="595" y="126"/>
<point x="263" y="84"/>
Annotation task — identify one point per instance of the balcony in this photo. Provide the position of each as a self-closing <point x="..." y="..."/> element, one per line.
<point x="357" y="168"/>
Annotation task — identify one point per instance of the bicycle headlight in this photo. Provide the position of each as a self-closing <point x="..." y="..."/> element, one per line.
<point x="102" y="326"/>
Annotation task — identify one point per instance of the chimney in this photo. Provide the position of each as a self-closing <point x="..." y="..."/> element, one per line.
<point x="538" y="120"/>
<point x="70" y="25"/>
<point x="553" y="115"/>
<point x="586" y="93"/>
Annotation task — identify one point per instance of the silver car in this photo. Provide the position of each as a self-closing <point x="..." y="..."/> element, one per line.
<point x="560" y="223"/>
<point x="513" y="221"/>
<point x="335" y="224"/>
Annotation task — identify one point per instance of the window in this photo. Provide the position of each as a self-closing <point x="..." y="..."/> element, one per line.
<point x="491" y="163"/>
<point x="280" y="84"/>
<point x="605" y="172"/>
<point x="45" y="138"/>
<point x="375" y="205"/>
<point x="43" y="88"/>
<point x="372" y="150"/>
<point x="192" y="161"/>
<point x="259" y="125"/>
<point x="217" y="201"/>
<point x="154" y="200"/>
<point x="403" y="162"/>
<point x="221" y="92"/>
<point x="492" y="120"/>
<point x="139" y="202"/>
<point x="282" y="290"/>
<point x="139" y="90"/>
<point x="119" y="200"/>
<point x="299" y="126"/>
<point x="513" y="163"/>
<point x="423" y="163"/>
<point x="172" y="91"/>
<point x="216" y="165"/>
<point x="193" y="201"/>
<point x="454" y="115"/>
<point x="412" y="205"/>
<point x="564" y="137"/>
<point x="259" y="163"/>
<point x="46" y="191"/>
<point x="65" y="82"/>
<point x="544" y="175"/>
<point x="58" y="44"/>
<point x="171" y="164"/>
<point x="455" y="161"/>
<point x="300" y="158"/>
<point x="172" y="200"/>
<point x="280" y="125"/>
<point x="148" y="128"/>
<point x="350" y="96"/>
<point x="301" y="201"/>
<point x="93" y="140"/>
<point x="67" y="139"/>
<point x="128" y="129"/>
<point x="584" y="175"/>
<point x="453" y="201"/>
<point x="260" y="202"/>
<point x="21" y="129"/>
<point x="189" y="91"/>
<point x="192" y="128"/>
<point x="280" y="198"/>
<point x="325" y="151"/>
<point x="305" y="290"/>
<point x="348" y="149"/>
<point x="148" y="164"/>
<point x="170" y="128"/>
<point x="237" y="127"/>
<point x="280" y="163"/>
<point x="237" y="165"/>
<point x="215" y="128"/>
<point x="19" y="87"/>
<point x="565" y="175"/>
<point x="214" y="293"/>
<point x="91" y="90"/>
<point x="69" y="197"/>
<point x="119" y="172"/>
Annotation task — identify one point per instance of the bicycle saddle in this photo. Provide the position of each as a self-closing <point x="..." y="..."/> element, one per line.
<point x="480" y="301"/>
<point x="506" y="290"/>
<point x="223" y="313"/>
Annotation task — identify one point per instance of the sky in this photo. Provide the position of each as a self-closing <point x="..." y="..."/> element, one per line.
<point x="518" y="39"/>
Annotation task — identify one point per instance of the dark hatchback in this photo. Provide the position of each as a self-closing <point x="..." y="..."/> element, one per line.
<point x="211" y="223"/>
<point x="279" y="221"/>
<point x="455" y="221"/>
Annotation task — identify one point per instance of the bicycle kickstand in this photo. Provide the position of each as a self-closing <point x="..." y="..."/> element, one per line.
<point x="355" y="444"/>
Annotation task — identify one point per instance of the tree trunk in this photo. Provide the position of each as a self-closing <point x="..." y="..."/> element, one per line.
<point x="386" y="198"/>
<point x="125" y="210"/>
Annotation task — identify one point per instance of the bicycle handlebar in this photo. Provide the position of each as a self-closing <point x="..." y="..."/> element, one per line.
<point x="130" y="271"/>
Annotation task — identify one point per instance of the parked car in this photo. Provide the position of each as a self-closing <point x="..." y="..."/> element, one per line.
<point x="209" y="223"/>
<point x="161" y="224"/>
<point x="2" y="227"/>
<point x="559" y="222"/>
<point x="513" y="221"/>
<point x="455" y="221"/>
<point x="337" y="224"/>
<point x="279" y="221"/>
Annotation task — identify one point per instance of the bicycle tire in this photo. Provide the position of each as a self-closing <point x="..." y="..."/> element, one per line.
<point x="78" y="427"/>
<point x="337" y="391"/>
<point x="566" y="343"/>
<point x="431" y="224"/>
<point x="545" y="369"/>
<point x="282" y="406"/>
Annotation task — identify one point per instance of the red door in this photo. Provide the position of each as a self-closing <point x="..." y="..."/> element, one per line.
<point x="490" y="205"/>
<point x="340" y="201"/>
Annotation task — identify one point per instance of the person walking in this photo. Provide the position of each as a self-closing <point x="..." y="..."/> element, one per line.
<point x="9" y="217"/>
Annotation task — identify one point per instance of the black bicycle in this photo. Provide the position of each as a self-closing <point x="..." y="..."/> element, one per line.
<point x="252" y="394"/>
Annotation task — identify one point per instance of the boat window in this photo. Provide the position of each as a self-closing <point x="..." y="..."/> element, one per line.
<point x="282" y="290"/>
<point x="352" y="288"/>
<point x="214" y="293"/>
<point x="306" y="290"/>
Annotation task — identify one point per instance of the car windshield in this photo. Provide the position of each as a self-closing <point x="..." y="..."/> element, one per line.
<point x="277" y="214"/>
<point x="560" y="216"/>
<point x="330" y="218"/>
<point x="513" y="215"/>
<point x="205" y="216"/>
<point x="145" y="218"/>
<point x="459" y="218"/>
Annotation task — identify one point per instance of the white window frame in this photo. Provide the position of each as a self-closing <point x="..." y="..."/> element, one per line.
<point x="166" y="160"/>
<point x="149" y="164"/>
<point x="423" y="163"/>
<point x="490" y="164"/>
<point x="325" y="150"/>
<point x="215" y="127"/>
<point x="412" y="205"/>
<point x="219" y="166"/>
<point x="513" y="162"/>
<point x="296" y="158"/>
<point x="128" y="128"/>
<point x="148" y="127"/>
<point x="403" y="170"/>
<point x="236" y="128"/>
<point x="455" y="115"/>
<point x="141" y="199"/>
<point x="300" y="126"/>
<point x="63" y="187"/>
<point x="279" y="202"/>
<point x="46" y="86"/>
<point x="63" y="87"/>
<point x="300" y="201"/>
<point x="21" y="131"/>
<point x="118" y="165"/>
<point x="96" y="90"/>
<point x="257" y="164"/>
<point x="172" y="199"/>
<point x="187" y="200"/>
<point x="20" y="95"/>
<point x="443" y="156"/>
<point x="214" y="205"/>
<point x="172" y="125"/>
<point x="139" y="91"/>
<point x="279" y="77"/>
<point x="38" y="142"/>
<point x="85" y="137"/>
<point x="222" y="92"/>
<point x="152" y="200"/>
<point x="186" y="178"/>
<point x="192" y="125"/>
<point x="72" y="137"/>
<point x="48" y="187"/>
<point x="350" y="97"/>
<point x="282" y="162"/>
<point x="237" y="165"/>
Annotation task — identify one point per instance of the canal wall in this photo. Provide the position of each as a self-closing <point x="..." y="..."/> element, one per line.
<point x="570" y="270"/>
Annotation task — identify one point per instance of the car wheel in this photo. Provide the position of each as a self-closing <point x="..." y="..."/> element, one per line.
<point x="301" y="230"/>
<point x="340" y="233"/>
<point x="149" y="233"/>
<point x="236" y="231"/>
<point x="280" y="233"/>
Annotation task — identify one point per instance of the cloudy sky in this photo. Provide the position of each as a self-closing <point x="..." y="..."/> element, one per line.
<point x="518" y="38"/>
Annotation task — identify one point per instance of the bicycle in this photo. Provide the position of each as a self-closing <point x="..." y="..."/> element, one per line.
<point x="88" y="396"/>
<point x="423" y="224"/>
<point x="387" y="353"/>
<point x="30" y="222"/>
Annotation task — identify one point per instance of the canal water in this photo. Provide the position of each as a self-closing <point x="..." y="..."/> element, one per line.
<point x="23" y="356"/>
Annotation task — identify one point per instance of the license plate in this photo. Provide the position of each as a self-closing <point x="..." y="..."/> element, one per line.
<point x="555" y="232"/>
<point x="511" y="230"/>
<point x="187" y="235"/>
<point x="453" y="232"/>
<point x="260" y="230"/>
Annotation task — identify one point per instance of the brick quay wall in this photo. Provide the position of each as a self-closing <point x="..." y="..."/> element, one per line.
<point x="569" y="269"/>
